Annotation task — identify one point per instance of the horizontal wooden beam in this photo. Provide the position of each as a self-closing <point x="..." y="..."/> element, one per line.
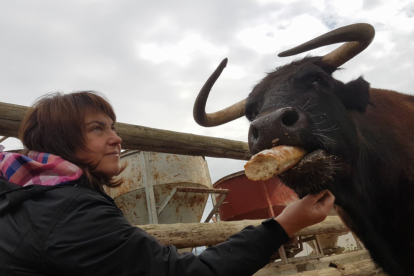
<point x="322" y="265"/>
<point x="136" y="137"/>
<point x="184" y="235"/>
<point x="361" y="268"/>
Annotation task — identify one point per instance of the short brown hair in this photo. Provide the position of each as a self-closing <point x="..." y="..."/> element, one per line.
<point x="56" y="124"/>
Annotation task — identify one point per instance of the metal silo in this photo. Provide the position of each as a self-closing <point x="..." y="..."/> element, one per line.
<point x="162" y="188"/>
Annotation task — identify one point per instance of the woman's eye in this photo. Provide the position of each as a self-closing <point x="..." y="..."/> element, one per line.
<point x="98" y="128"/>
<point x="113" y="129"/>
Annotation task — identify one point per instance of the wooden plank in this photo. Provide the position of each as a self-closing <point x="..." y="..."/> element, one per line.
<point x="272" y="269"/>
<point x="365" y="268"/>
<point x="342" y="258"/>
<point x="184" y="235"/>
<point x="361" y="268"/>
<point x="9" y="128"/>
<point x="136" y="137"/>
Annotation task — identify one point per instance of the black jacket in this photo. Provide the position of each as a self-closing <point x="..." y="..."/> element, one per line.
<point x="74" y="230"/>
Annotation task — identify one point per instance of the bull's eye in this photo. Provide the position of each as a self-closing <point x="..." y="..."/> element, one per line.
<point x="319" y="80"/>
<point x="251" y="116"/>
<point x="251" y="109"/>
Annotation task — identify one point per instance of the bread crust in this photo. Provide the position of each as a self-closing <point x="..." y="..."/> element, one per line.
<point x="271" y="162"/>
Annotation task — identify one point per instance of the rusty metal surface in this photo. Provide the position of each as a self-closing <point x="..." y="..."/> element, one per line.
<point x="249" y="199"/>
<point x="201" y="190"/>
<point x="164" y="172"/>
<point x="192" y="190"/>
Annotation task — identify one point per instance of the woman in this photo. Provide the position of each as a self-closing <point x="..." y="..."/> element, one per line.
<point x="55" y="218"/>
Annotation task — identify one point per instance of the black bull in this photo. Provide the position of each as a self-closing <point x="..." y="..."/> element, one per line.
<point x="366" y="136"/>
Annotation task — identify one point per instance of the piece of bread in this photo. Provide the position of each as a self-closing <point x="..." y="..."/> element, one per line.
<point x="274" y="161"/>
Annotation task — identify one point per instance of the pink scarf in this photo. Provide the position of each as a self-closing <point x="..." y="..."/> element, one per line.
<point x="37" y="168"/>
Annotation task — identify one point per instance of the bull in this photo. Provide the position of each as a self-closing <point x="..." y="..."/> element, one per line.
<point x="366" y="136"/>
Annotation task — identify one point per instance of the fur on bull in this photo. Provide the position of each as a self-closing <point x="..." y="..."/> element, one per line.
<point x="365" y="135"/>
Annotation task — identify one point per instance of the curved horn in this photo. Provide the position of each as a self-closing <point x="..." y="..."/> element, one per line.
<point x="357" y="38"/>
<point x="220" y="117"/>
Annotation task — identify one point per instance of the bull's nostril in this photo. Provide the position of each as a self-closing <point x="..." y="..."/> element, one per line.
<point x="290" y="118"/>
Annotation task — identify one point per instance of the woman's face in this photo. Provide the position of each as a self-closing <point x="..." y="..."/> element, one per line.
<point x="103" y="144"/>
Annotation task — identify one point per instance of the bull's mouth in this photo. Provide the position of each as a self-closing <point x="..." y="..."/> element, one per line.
<point x="313" y="173"/>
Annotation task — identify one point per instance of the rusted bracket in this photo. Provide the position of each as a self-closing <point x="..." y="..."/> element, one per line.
<point x="194" y="190"/>
<point x="162" y="206"/>
<point x="215" y="208"/>
<point x="318" y="252"/>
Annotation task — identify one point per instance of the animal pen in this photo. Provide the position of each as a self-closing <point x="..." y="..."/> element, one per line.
<point x="161" y="203"/>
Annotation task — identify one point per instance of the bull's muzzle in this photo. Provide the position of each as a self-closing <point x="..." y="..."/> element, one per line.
<point x="277" y="127"/>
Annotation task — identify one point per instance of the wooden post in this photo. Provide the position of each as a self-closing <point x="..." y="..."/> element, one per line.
<point x="184" y="235"/>
<point x="136" y="137"/>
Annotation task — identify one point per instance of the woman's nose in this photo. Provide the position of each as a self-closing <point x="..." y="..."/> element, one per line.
<point x="115" y="139"/>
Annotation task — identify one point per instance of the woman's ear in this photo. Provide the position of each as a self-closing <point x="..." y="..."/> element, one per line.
<point x="354" y="95"/>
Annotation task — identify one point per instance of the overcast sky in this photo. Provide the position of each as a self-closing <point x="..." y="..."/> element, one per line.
<point x="150" y="58"/>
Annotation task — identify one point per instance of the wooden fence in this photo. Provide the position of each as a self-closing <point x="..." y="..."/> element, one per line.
<point x="184" y="235"/>
<point x="136" y="137"/>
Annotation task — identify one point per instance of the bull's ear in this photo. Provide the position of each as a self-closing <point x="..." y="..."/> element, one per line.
<point x="354" y="95"/>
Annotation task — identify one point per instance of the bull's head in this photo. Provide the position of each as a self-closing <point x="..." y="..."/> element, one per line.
<point x="301" y="104"/>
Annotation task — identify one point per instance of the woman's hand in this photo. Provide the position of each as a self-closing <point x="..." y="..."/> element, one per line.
<point x="309" y="210"/>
